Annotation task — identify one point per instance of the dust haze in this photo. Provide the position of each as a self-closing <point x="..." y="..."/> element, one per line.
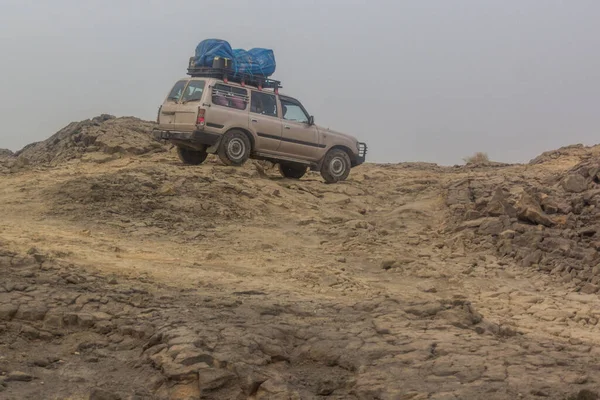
<point x="418" y="80"/>
<point x="126" y="272"/>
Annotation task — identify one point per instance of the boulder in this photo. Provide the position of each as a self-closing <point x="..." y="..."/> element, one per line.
<point x="533" y="258"/>
<point x="32" y="312"/>
<point x="19" y="376"/>
<point x="557" y="245"/>
<point x="472" y="214"/>
<point x="507" y="234"/>
<point x="529" y="210"/>
<point x="551" y="205"/>
<point x="499" y="205"/>
<point x="589" y="289"/>
<point x="459" y="193"/>
<point x="574" y="183"/>
<point x="491" y="227"/>
<point x="8" y="311"/>
<point x="212" y="379"/>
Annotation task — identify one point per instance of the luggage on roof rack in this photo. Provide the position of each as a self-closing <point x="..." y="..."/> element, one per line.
<point x="257" y="61"/>
<point x="228" y="74"/>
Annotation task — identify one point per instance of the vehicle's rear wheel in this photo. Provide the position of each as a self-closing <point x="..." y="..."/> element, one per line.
<point x="190" y="156"/>
<point x="336" y="166"/>
<point x="293" y="171"/>
<point x="235" y="148"/>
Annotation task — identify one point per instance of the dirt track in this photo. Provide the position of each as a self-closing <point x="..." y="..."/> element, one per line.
<point x="136" y="277"/>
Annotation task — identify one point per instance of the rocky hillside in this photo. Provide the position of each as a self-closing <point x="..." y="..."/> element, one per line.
<point x="128" y="275"/>
<point x="550" y="223"/>
<point x="571" y="153"/>
<point x="105" y="134"/>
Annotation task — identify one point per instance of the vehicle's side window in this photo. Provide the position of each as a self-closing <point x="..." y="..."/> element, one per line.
<point x="177" y="91"/>
<point x="229" y="96"/>
<point x="194" y="91"/>
<point x="292" y="111"/>
<point x="263" y="103"/>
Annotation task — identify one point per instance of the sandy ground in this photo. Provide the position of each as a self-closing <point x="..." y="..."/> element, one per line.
<point x="141" y="278"/>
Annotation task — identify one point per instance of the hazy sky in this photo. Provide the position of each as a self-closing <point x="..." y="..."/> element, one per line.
<point x="418" y="80"/>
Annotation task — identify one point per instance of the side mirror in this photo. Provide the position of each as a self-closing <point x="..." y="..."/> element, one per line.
<point x="311" y="120"/>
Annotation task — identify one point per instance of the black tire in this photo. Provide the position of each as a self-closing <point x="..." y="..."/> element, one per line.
<point x="190" y="156"/>
<point x="336" y="166"/>
<point x="235" y="148"/>
<point x="293" y="171"/>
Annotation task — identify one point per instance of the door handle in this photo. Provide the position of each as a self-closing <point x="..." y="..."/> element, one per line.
<point x="287" y="127"/>
<point x="254" y="120"/>
<point x="169" y="112"/>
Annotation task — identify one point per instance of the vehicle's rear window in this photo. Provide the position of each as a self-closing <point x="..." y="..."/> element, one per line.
<point x="177" y="91"/>
<point x="194" y="91"/>
<point x="229" y="96"/>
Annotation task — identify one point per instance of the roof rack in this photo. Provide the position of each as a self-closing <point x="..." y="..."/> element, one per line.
<point x="227" y="74"/>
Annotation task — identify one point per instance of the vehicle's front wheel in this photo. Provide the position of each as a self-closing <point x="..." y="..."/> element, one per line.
<point x="191" y="157"/>
<point x="336" y="166"/>
<point x="293" y="171"/>
<point x="235" y="148"/>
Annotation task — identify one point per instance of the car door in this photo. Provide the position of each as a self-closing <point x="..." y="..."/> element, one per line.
<point x="166" y="115"/>
<point x="265" y="123"/>
<point x="299" y="138"/>
<point x="186" y="113"/>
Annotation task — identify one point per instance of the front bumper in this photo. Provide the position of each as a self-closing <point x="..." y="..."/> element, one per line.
<point x="209" y="139"/>
<point x="362" y="153"/>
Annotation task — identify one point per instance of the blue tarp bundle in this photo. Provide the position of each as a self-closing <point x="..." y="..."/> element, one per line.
<point x="208" y="49"/>
<point x="255" y="61"/>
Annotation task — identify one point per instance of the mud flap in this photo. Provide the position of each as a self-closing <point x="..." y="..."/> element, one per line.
<point x="213" y="149"/>
<point x="318" y="165"/>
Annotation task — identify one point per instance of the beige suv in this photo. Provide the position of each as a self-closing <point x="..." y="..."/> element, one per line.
<point x="237" y="121"/>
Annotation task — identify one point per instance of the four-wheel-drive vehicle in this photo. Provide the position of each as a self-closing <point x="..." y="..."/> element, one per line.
<point x="208" y="113"/>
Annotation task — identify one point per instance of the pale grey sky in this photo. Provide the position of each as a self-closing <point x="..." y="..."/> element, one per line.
<point x="418" y="80"/>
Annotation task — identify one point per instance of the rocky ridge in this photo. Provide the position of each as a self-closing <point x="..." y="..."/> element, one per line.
<point x="550" y="224"/>
<point x="104" y="134"/>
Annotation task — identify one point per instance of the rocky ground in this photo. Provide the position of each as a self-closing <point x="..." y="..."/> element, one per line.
<point x="127" y="275"/>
